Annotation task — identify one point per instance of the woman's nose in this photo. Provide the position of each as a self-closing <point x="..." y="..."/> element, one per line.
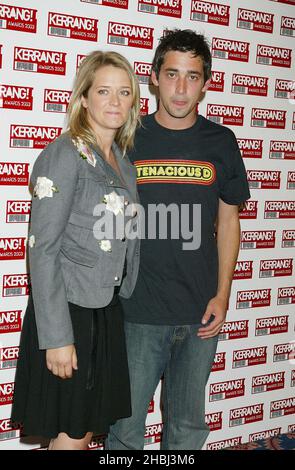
<point x="114" y="99"/>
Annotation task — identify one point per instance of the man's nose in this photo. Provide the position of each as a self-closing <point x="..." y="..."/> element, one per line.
<point x="181" y="85"/>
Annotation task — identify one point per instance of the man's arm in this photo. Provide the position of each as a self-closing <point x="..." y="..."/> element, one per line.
<point x="228" y="241"/>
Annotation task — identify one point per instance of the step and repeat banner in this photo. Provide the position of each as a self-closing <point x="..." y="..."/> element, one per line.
<point x="250" y="393"/>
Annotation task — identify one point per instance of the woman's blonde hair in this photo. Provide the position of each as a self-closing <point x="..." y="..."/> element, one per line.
<point x="78" y="124"/>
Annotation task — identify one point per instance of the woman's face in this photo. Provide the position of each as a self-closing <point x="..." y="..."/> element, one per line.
<point x="109" y="100"/>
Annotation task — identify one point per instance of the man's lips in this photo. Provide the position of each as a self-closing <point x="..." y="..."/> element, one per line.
<point x="179" y="102"/>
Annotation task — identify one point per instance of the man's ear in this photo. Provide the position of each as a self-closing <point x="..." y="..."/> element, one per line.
<point x="154" y="78"/>
<point x="206" y="86"/>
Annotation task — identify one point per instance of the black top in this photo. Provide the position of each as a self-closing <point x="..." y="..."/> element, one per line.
<point x="190" y="169"/>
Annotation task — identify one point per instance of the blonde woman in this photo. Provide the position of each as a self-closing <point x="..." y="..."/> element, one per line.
<point x="72" y="376"/>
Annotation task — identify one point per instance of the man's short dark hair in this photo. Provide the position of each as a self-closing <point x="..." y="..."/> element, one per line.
<point x="184" y="40"/>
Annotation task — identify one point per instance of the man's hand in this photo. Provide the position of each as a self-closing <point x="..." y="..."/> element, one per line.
<point x="62" y="361"/>
<point x="216" y="307"/>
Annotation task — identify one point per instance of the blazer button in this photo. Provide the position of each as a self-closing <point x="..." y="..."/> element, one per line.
<point x="116" y="278"/>
<point x="111" y="182"/>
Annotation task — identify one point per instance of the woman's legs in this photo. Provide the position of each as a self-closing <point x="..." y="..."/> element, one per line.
<point x="64" y="442"/>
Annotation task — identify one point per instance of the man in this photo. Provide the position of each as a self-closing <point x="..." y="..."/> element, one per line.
<point x="179" y="304"/>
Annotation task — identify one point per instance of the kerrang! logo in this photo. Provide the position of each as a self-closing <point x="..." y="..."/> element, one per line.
<point x="40" y="61"/>
<point x="271" y="325"/>
<point x="16" y="97"/>
<point x="274" y="56"/>
<point x="161" y="7"/>
<point x="143" y="72"/>
<point x="268" y="382"/>
<point x="282" y="407"/>
<point x="12" y="248"/>
<point x="80" y="58"/>
<point x="75" y="27"/>
<point x="249" y="85"/>
<point x="8" y="430"/>
<point x="263" y="179"/>
<point x="226" y="114"/>
<point x="268" y="118"/>
<point x="18" y="19"/>
<point x="249" y="357"/>
<point x="282" y="149"/>
<point x="284" y="88"/>
<point x="144" y="106"/>
<point x="8" y="357"/>
<point x="130" y="35"/>
<point x="153" y="433"/>
<point x="282" y="352"/>
<point x="250" y="211"/>
<point x="234" y="330"/>
<point x="228" y="389"/>
<point x="230" y="49"/>
<point x="255" y="20"/>
<point x="276" y="267"/>
<point x="253" y="298"/>
<point x="217" y="81"/>
<point x="32" y="136"/>
<point x="287" y="26"/>
<point x="56" y="101"/>
<point x="247" y="414"/>
<point x="279" y="209"/>
<point x="291" y="180"/>
<point x="109" y="3"/>
<point x="10" y="322"/>
<point x="288" y="239"/>
<point x="15" y="285"/>
<point x="219" y="445"/>
<point x="286" y="295"/>
<point x="257" y="436"/>
<point x="251" y="148"/>
<point x="6" y="393"/>
<point x="12" y="173"/>
<point x="210" y="12"/>
<point x="214" y="420"/>
<point x="219" y="362"/>
<point x="244" y="270"/>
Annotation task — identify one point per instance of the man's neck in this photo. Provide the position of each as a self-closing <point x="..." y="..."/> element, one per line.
<point x="175" y="123"/>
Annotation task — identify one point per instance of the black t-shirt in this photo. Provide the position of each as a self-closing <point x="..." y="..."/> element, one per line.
<point x="194" y="166"/>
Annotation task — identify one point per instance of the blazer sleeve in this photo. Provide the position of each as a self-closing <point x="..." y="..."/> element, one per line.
<point x="49" y="216"/>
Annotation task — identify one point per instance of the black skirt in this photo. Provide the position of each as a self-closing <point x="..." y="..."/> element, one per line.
<point x="97" y="394"/>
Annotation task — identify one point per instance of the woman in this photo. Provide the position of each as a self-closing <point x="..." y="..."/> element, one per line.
<point x="72" y="376"/>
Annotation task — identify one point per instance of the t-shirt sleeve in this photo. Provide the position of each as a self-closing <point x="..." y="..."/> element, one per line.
<point x="235" y="188"/>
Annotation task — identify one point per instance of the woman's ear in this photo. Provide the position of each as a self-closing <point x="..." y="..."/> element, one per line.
<point x="84" y="102"/>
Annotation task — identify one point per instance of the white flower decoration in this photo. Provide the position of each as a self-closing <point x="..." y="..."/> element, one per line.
<point x="84" y="151"/>
<point x="44" y="187"/>
<point x="133" y="209"/>
<point x="105" y="245"/>
<point x="114" y="202"/>
<point x="32" y="241"/>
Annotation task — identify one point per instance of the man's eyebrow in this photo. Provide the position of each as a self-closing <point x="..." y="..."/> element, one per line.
<point x="171" y="69"/>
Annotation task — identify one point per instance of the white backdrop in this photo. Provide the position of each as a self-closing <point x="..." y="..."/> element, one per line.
<point x="250" y="393"/>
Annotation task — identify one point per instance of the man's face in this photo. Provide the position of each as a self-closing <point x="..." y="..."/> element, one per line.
<point x="181" y="84"/>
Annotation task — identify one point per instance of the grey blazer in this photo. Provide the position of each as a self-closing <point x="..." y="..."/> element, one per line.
<point x="66" y="260"/>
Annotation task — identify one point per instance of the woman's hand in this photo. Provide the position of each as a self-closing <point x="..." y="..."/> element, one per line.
<point x="62" y="361"/>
